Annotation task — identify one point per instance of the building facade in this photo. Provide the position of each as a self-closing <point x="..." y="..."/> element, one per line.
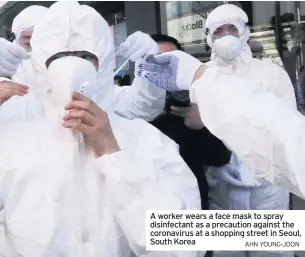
<point x="278" y="26"/>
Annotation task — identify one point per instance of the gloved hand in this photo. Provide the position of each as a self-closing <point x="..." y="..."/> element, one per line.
<point x="238" y="193"/>
<point x="138" y="45"/>
<point x="239" y="198"/>
<point x="173" y="71"/>
<point x="11" y="56"/>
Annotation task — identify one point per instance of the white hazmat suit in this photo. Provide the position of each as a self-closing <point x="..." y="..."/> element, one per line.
<point x="234" y="186"/>
<point x="26" y="20"/>
<point x="268" y="137"/>
<point x="245" y="192"/>
<point x="62" y="202"/>
<point x="24" y="74"/>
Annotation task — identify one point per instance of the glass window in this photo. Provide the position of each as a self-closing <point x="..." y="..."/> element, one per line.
<point x="185" y="21"/>
<point x="114" y="14"/>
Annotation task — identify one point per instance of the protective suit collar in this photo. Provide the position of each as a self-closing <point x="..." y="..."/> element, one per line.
<point x="230" y="14"/>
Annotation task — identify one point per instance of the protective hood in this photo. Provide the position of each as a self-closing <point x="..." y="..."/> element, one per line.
<point x="70" y="27"/>
<point x="229" y="14"/>
<point x="27" y="18"/>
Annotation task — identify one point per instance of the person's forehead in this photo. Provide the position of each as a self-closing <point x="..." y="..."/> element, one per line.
<point x="167" y="45"/>
<point x="27" y="33"/>
<point x="224" y="26"/>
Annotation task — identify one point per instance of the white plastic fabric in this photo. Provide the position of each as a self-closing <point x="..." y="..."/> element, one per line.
<point x="230" y="14"/>
<point x="264" y="132"/>
<point x="59" y="200"/>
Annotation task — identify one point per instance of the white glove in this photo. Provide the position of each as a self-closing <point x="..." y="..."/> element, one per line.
<point x="11" y="56"/>
<point x="137" y="45"/>
<point x="239" y="198"/>
<point x="173" y="71"/>
<point x="238" y="193"/>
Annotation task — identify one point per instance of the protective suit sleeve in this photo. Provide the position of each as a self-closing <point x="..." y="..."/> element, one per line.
<point x="147" y="178"/>
<point x="264" y="132"/>
<point x="140" y="100"/>
<point x="283" y="86"/>
<point x="2" y="79"/>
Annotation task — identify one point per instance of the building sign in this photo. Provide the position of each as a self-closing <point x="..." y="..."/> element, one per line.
<point x="187" y="29"/>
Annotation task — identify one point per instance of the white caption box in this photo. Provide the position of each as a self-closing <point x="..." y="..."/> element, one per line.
<point x="225" y="230"/>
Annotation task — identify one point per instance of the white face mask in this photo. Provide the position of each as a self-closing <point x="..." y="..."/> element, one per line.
<point x="68" y="74"/>
<point x="227" y="47"/>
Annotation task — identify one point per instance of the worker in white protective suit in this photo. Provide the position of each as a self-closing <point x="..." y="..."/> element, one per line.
<point x="232" y="186"/>
<point x="16" y="55"/>
<point x="76" y="186"/>
<point x="268" y="137"/>
<point x="22" y="29"/>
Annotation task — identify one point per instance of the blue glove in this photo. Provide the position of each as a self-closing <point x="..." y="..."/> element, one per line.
<point x="173" y="71"/>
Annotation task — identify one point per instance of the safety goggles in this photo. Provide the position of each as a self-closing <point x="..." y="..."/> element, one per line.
<point x="81" y="54"/>
<point x="234" y="28"/>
